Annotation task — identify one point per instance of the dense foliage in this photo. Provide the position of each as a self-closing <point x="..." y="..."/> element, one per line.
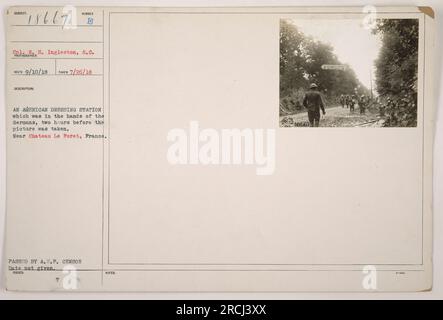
<point x="396" y="70"/>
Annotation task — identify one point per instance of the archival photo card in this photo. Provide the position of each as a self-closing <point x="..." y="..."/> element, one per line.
<point x="172" y="149"/>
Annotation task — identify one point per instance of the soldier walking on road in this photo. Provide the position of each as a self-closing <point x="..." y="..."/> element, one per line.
<point x="347" y="100"/>
<point x="352" y="102"/>
<point x="314" y="102"/>
<point x="342" y="101"/>
<point x="362" y="104"/>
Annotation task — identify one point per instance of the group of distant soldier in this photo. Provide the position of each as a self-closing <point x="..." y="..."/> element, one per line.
<point x="350" y="100"/>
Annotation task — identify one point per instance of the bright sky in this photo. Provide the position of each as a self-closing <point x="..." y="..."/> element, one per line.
<point x="353" y="44"/>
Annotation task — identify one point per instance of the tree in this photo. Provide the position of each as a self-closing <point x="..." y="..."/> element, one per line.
<point x="292" y="55"/>
<point x="397" y="69"/>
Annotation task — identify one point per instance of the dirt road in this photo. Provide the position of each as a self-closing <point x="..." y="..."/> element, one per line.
<point x="336" y="116"/>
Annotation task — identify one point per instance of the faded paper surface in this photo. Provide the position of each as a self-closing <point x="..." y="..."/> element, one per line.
<point x="95" y="204"/>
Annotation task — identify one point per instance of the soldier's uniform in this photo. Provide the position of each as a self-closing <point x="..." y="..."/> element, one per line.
<point x="313" y="102"/>
<point x="347" y="100"/>
<point x="362" y="104"/>
<point x="351" y="103"/>
<point x="342" y="101"/>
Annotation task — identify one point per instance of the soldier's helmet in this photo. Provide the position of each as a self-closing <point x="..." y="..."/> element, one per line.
<point x="313" y="86"/>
